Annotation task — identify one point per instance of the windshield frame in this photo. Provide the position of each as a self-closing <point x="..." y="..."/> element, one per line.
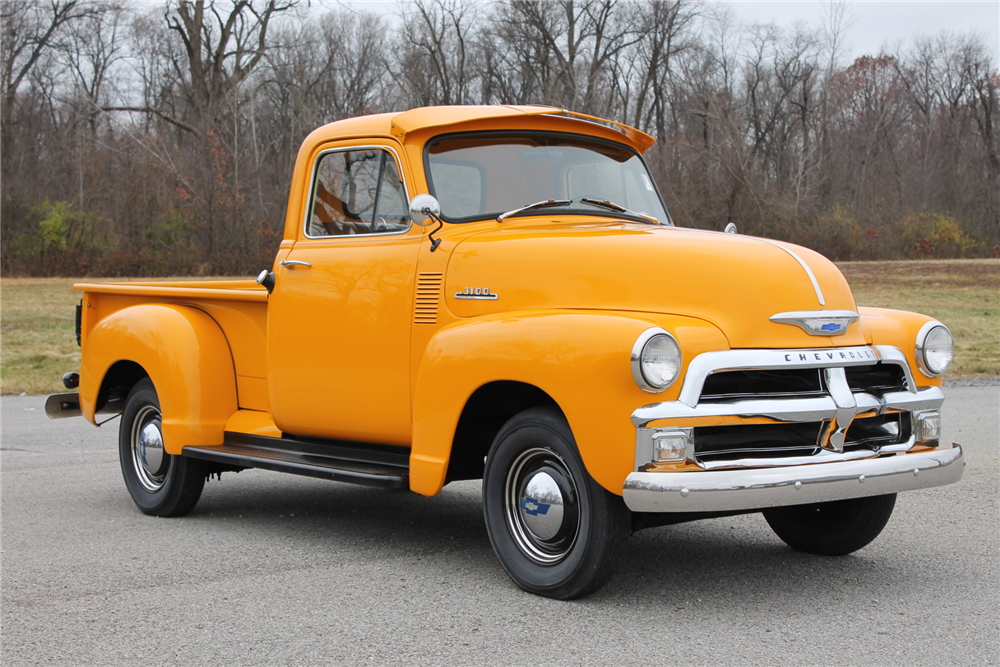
<point x="569" y="210"/>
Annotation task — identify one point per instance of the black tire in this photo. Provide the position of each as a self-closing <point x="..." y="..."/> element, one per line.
<point x="160" y="484"/>
<point x="832" y="529"/>
<point x="572" y="552"/>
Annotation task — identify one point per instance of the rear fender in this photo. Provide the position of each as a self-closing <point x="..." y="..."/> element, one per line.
<point x="186" y="356"/>
<point x="581" y="359"/>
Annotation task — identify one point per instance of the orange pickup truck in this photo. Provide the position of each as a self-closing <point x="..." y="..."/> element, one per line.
<point x="500" y="293"/>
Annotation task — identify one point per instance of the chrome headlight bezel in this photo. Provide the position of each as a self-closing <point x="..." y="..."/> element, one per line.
<point x="920" y="349"/>
<point x="637" y="351"/>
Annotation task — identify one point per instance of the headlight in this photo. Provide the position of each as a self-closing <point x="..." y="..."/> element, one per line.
<point x="656" y="360"/>
<point x="935" y="348"/>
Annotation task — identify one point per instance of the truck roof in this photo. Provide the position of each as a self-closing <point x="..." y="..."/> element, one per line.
<point x="398" y="125"/>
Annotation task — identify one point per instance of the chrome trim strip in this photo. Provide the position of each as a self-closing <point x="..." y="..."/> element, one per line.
<point x="811" y="409"/>
<point x="477" y="297"/>
<point x="816" y="408"/>
<point x="729" y="490"/>
<point x="824" y="456"/>
<point x="812" y="277"/>
<point x="893" y="355"/>
<point x="847" y="408"/>
<point x="312" y="193"/>
<point x="928" y="398"/>
<point x="763" y="360"/>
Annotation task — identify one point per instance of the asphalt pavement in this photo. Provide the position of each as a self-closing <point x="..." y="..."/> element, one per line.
<point x="274" y="569"/>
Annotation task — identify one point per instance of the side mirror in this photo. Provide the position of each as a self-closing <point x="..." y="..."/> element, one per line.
<point x="422" y="208"/>
<point x="731" y="228"/>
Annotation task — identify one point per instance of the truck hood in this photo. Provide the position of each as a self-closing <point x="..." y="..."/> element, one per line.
<point x="735" y="282"/>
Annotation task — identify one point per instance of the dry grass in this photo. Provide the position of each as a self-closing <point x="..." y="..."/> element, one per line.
<point x="962" y="293"/>
<point x="37" y="343"/>
<point x="37" y="339"/>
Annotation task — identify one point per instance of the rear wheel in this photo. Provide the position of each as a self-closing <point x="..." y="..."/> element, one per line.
<point x="160" y="484"/>
<point x="832" y="529"/>
<point x="556" y="531"/>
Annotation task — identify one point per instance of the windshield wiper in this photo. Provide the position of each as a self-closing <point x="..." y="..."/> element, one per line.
<point x="548" y="203"/>
<point x="604" y="203"/>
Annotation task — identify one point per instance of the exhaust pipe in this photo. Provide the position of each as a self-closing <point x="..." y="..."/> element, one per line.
<point x="61" y="406"/>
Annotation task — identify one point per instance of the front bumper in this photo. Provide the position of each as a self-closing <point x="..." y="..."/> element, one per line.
<point x="759" y="488"/>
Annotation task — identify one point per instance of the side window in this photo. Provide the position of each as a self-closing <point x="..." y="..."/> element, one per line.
<point x="392" y="209"/>
<point x="357" y="192"/>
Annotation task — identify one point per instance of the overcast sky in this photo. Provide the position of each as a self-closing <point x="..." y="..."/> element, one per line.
<point x="877" y="24"/>
<point x="872" y="24"/>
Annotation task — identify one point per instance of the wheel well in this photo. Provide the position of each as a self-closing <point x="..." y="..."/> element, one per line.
<point x="485" y="413"/>
<point x="117" y="383"/>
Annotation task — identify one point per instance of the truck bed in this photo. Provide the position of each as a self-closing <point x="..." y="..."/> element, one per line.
<point x="238" y="306"/>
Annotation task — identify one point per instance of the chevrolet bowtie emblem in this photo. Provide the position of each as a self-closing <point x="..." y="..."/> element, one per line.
<point x="818" y="322"/>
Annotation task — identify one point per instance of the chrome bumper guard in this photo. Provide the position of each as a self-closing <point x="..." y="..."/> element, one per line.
<point x="759" y="488"/>
<point x="833" y="474"/>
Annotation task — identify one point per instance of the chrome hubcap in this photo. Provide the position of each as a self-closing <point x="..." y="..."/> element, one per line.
<point x="541" y="505"/>
<point x="148" y="458"/>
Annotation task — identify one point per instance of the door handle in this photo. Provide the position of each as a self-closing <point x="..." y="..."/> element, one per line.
<point x="294" y="262"/>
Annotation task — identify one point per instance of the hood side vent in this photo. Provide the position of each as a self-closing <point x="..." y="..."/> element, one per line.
<point x="428" y="295"/>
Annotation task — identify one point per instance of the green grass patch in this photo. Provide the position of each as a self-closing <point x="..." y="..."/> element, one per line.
<point x="38" y="345"/>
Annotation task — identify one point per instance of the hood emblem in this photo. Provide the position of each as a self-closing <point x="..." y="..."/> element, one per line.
<point x="818" y="322"/>
<point x="477" y="293"/>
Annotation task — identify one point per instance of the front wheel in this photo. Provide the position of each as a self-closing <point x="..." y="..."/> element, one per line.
<point x="160" y="484"/>
<point x="832" y="529"/>
<point x="556" y="531"/>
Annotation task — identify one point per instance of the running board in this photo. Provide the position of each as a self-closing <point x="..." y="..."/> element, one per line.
<point x="384" y="466"/>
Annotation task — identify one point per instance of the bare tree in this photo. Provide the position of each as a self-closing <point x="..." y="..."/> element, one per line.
<point x="438" y="51"/>
<point x="30" y="29"/>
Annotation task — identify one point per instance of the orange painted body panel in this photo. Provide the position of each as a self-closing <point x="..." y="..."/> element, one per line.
<point x="339" y="338"/>
<point x="735" y="282"/>
<point x="253" y="422"/>
<point x="186" y="356"/>
<point x="200" y="343"/>
<point x="370" y="344"/>
<point x="899" y="328"/>
<point x="339" y="330"/>
<point x="579" y="358"/>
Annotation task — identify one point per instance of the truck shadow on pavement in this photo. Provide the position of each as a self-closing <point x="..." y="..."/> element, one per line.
<point x="734" y="561"/>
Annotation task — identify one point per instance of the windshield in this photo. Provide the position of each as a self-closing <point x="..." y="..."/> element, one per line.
<point x="476" y="176"/>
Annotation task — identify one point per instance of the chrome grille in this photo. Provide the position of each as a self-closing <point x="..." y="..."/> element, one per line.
<point x="718" y="444"/>
<point x="780" y="407"/>
<point x="730" y="385"/>
<point x="876" y="379"/>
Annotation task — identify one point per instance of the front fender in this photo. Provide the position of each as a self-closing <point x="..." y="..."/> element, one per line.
<point x="187" y="358"/>
<point x="899" y="328"/>
<point x="579" y="358"/>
